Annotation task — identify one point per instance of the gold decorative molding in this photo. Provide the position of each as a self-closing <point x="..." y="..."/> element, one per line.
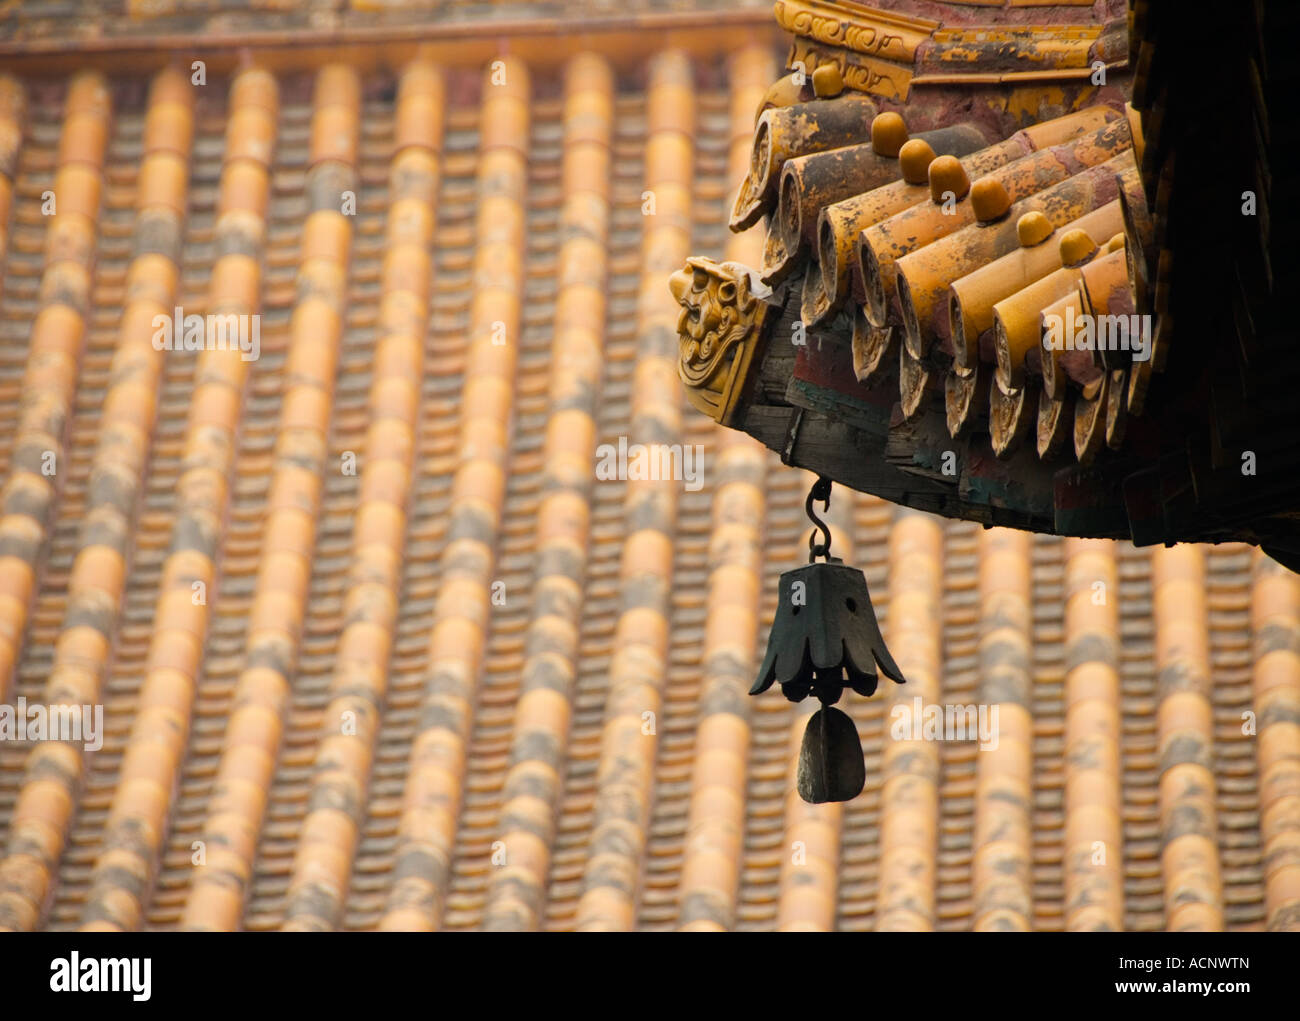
<point x="860" y="29"/>
<point x="1015" y="47"/>
<point x="875" y="51"/>
<point x="860" y="73"/>
<point x="885" y="53"/>
<point x="718" y="332"/>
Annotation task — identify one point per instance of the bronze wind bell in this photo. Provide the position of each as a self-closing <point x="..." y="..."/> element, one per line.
<point x="826" y="637"/>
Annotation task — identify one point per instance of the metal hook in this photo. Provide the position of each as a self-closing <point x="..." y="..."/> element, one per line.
<point x="821" y="491"/>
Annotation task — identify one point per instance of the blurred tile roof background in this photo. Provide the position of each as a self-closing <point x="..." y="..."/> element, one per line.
<point x="497" y="621"/>
<point x="96" y="23"/>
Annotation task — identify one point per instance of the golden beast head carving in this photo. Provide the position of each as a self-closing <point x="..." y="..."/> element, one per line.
<point x="718" y="331"/>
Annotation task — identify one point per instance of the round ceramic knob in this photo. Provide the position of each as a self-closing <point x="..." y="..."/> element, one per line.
<point x="1033" y="229"/>
<point x="948" y="178"/>
<point x="989" y="199"/>
<point x="1076" y="247"/>
<point x="888" y="133"/>
<point x="827" y="81"/>
<point x="914" y="159"/>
